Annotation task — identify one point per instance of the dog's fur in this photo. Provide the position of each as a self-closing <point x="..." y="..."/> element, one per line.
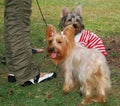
<point x="72" y="18"/>
<point x="82" y="67"/>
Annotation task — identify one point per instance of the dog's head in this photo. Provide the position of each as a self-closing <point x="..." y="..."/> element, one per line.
<point x="72" y="18"/>
<point x="59" y="44"/>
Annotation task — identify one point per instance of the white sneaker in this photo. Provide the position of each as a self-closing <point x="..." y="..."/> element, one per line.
<point x="47" y="76"/>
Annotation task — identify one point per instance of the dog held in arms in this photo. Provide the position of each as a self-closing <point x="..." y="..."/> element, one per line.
<point x="85" y="37"/>
<point x="82" y="67"/>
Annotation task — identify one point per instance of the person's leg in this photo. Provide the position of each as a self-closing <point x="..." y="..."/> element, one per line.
<point x="34" y="51"/>
<point x="19" y="59"/>
<point x="17" y="42"/>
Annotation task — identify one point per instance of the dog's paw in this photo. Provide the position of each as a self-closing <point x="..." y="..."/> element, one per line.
<point x="86" y="101"/>
<point x="66" y="89"/>
<point x="100" y="100"/>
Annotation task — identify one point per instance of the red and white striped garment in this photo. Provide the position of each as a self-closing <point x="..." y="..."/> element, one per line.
<point x="90" y="40"/>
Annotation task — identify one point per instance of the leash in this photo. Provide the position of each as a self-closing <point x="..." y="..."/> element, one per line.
<point x="41" y="13"/>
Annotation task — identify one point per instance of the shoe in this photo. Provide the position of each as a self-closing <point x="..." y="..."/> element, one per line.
<point x="27" y="83"/>
<point x="45" y="77"/>
<point x="11" y="78"/>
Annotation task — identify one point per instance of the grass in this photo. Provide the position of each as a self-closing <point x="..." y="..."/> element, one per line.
<point x="99" y="16"/>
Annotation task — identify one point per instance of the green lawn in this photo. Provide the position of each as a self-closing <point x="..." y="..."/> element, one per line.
<point x="100" y="16"/>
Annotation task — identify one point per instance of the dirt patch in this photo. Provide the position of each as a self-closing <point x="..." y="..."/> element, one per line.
<point x="112" y="44"/>
<point x="113" y="56"/>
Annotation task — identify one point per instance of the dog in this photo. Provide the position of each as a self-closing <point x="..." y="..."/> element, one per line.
<point x="72" y="18"/>
<point x="86" y="37"/>
<point x="82" y="67"/>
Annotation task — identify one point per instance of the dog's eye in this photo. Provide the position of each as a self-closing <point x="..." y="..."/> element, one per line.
<point x="59" y="42"/>
<point x="50" y="41"/>
<point x="77" y="20"/>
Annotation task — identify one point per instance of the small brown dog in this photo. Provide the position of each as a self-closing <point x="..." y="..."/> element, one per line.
<point x="82" y="66"/>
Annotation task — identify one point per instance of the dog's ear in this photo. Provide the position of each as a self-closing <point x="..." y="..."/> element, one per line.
<point x="78" y="10"/>
<point x="69" y="32"/>
<point x="50" y="31"/>
<point x="64" y="12"/>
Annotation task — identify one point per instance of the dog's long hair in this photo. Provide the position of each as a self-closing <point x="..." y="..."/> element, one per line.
<point x="82" y="66"/>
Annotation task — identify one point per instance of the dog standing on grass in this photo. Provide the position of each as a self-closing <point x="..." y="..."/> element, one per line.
<point x="85" y="37"/>
<point x="81" y="66"/>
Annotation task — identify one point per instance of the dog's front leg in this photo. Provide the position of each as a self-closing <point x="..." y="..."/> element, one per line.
<point x="69" y="83"/>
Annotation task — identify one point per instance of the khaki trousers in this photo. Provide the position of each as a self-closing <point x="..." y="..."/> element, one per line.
<point x="17" y="43"/>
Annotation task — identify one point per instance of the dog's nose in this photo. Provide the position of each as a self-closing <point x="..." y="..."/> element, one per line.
<point x="75" y="25"/>
<point x="51" y="49"/>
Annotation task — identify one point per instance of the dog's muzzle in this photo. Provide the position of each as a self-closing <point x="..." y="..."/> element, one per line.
<point x="52" y="52"/>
